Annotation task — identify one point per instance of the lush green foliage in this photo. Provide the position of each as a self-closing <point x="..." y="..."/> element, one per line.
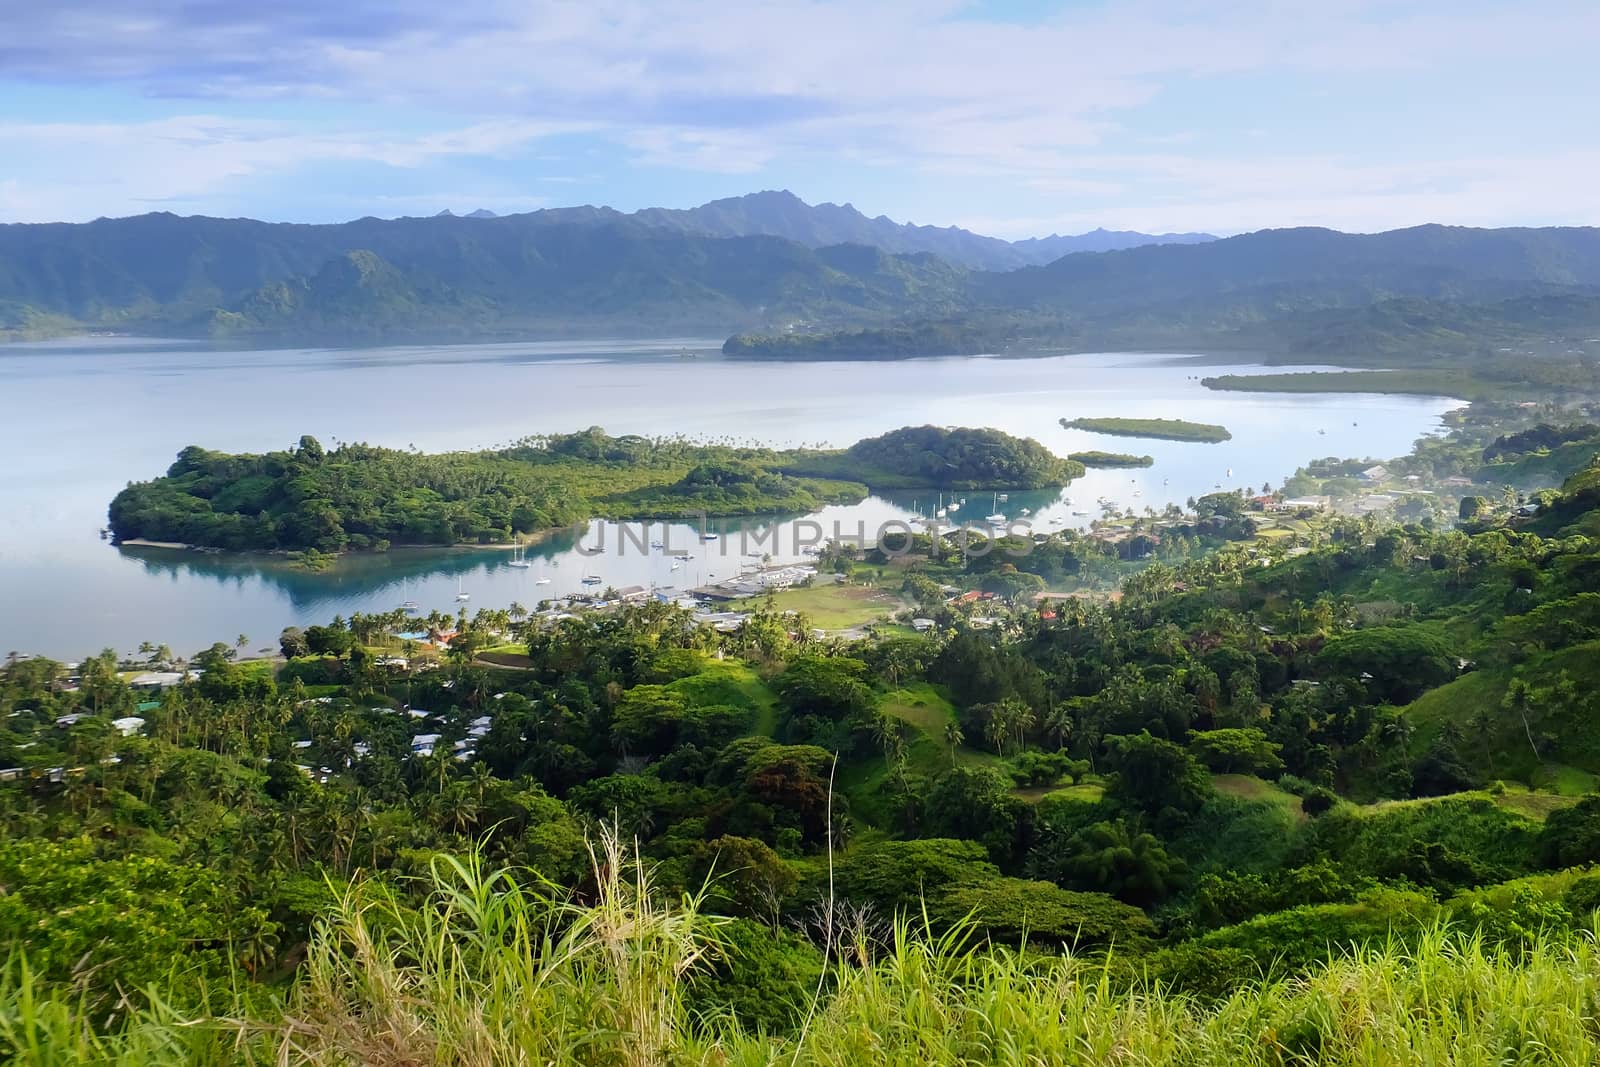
<point x="1250" y="762"/>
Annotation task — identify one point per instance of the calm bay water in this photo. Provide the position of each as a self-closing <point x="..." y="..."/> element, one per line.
<point x="83" y="418"/>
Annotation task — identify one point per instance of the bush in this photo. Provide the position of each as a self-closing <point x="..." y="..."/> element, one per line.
<point x="1011" y="911"/>
<point x="1290" y="942"/>
<point x="1475" y="840"/>
<point x="1318" y="800"/>
<point x="1582" y="898"/>
<point x="763" y="977"/>
<point x="1572" y="837"/>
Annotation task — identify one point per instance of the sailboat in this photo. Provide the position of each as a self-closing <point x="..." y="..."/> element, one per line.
<point x="461" y="595"/>
<point x="996" y="517"/>
<point x="519" y="558"/>
<point x="409" y="606"/>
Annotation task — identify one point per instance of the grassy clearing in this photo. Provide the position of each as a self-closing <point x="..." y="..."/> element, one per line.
<point x="834" y="606"/>
<point x="922" y="706"/>
<point x="893" y="629"/>
<point x="1084" y="792"/>
<point x="928" y="712"/>
<point x="1535" y="806"/>
<point x="736" y="685"/>
<point x="1249" y="787"/>
<point x="1562" y="780"/>
<point x="507" y="658"/>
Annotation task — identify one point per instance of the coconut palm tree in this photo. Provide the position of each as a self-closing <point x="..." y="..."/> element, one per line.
<point x="954" y="738"/>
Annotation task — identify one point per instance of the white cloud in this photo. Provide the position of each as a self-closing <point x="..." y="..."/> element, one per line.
<point x="125" y="168"/>
<point x="1166" y="193"/>
<point x="924" y="88"/>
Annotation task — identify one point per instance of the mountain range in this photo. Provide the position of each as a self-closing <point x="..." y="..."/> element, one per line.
<point x="770" y="263"/>
<point x="780" y="213"/>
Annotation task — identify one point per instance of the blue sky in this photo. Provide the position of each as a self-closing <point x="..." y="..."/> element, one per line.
<point x="1012" y="117"/>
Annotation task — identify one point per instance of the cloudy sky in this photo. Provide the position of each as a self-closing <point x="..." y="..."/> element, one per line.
<point x="1012" y="117"/>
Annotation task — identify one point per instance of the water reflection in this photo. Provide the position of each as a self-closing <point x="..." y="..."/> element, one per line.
<point x="666" y="556"/>
<point x="115" y="411"/>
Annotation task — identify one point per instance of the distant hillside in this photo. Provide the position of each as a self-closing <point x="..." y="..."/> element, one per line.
<point x="448" y="275"/>
<point x="592" y="269"/>
<point x="1040" y="250"/>
<point x="782" y="214"/>
<point x="1257" y="275"/>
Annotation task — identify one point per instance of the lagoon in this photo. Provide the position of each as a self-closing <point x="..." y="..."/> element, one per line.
<point x="84" y="417"/>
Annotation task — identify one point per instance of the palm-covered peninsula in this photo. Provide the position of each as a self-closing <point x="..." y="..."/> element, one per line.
<point x="359" y="496"/>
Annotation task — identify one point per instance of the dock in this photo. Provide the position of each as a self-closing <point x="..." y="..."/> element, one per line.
<point x="755" y="582"/>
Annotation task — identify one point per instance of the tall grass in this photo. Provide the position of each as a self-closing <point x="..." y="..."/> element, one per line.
<point x="493" y="971"/>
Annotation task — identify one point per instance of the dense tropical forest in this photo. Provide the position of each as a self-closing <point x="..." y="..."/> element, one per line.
<point x="1274" y="800"/>
<point x="362" y="497"/>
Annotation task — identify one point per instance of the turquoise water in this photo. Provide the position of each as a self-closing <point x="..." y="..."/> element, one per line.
<point x="85" y="418"/>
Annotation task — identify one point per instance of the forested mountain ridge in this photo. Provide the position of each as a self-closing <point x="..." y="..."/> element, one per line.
<point x="591" y="269"/>
<point x="160" y="271"/>
<point x="1290" y="269"/>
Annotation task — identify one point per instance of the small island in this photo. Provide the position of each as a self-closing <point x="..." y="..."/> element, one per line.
<point x="1096" y="458"/>
<point x="357" y="496"/>
<point x="1420" y="381"/>
<point x="932" y="457"/>
<point x="1159" y="429"/>
<point x="883" y="343"/>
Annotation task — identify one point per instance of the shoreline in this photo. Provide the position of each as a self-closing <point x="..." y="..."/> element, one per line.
<point x="282" y="554"/>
